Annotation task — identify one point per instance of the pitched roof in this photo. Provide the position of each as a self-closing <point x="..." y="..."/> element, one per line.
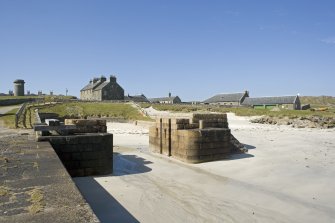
<point x="234" y="97"/>
<point x="102" y="85"/>
<point x="154" y="100"/>
<point x="87" y="87"/>
<point x="270" y="100"/>
<point x="136" y="98"/>
<point x="91" y="86"/>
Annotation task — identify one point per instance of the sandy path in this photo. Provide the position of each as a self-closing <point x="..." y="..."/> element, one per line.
<point x="287" y="176"/>
<point x="4" y="131"/>
<point x="5" y="109"/>
<point x="129" y="135"/>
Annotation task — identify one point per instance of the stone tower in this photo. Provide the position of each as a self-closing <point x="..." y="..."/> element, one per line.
<point x="19" y="87"/>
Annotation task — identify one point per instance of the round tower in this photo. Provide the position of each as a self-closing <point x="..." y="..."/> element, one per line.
<point x="19" y="87"/>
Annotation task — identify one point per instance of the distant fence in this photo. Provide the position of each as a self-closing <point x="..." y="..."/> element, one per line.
<point x="19" y="116"/>
<point x="37" y="116"/>
<point x="15" y="101"/>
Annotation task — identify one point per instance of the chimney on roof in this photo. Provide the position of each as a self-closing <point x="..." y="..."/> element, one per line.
<point x="103" y="79"/>
<point x="95" y="80"/>
<point x="247" y="93"/>
<point x="112" y="79"/>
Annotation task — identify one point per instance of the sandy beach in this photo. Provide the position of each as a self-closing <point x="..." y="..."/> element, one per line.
<point x="288" y="175"/>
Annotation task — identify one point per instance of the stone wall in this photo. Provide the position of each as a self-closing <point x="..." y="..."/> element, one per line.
<point x="87" y="125"/>
<point x="35" y="186"/>
<point x="15" y="101"/>
<point x="204" y="137"/>
<point x="112" y="91"/>
<point x="84" y="155"/>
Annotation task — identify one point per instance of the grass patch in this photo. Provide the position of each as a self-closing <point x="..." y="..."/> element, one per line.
<point x="36" y="198"/>
<point x="46" y="97"/>
<point x="3" y="191"/>
<point x="98" y="109"/>
<point x="318" y="101"/>
<point x="180" y="107"/>
<point x="282" y="113"/>
<point x="18" y="97"/>
<point x="242" y="111"/>
<point x="8" y="119"/>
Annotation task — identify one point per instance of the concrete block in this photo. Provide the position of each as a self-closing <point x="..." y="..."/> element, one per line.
<point x="76" y="156"/>
<point x="52" y="122"/>
<point x="93" y="155"/>
<point x="85" y="122"/>
<point x="180" y="121"/>
<point x="57" y="140"/>
<point x="89" y="163"/>
<point x="177" y="126"/>
<point x="76" y="172"/>
<point x="69" y="149"/>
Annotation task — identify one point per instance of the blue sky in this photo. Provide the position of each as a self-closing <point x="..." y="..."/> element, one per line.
<point x="192" y="48"/>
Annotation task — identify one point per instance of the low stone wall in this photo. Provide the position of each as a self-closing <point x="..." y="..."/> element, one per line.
<point x="43" y="115"/>
<point x="17" y="101"/>
<point x="203" y="137"/>
<point x="35" y="186"/>
<point x="84" y="155"/>
<point x="87" y="125"/>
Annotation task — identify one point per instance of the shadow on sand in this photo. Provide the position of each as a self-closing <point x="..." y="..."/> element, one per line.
<point x="249" y="146"/>
<point x="242" y="155"/>
<point x="104" y="205"/>
<point x="129" y="164"/>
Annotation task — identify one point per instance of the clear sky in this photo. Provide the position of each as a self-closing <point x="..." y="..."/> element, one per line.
<point x="193" y="48"/>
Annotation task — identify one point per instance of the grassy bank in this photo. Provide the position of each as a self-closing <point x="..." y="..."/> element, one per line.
<point x="46" y="97"/>
<point x="18" y="97"/>
<point x="90" y="109"/>
<point x="8" y="119"/>
<point x="318" y="101"/>
<point x="240" y="111"/>
<point x="281" y="113"/>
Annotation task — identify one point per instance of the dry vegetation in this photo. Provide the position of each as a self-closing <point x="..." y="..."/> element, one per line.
<point x="46" y="97"/>
<point x="241" y="111"/>
<point x="320" y="101"/>
<point x="9" y="118"/>
<point x="95" y="109"/>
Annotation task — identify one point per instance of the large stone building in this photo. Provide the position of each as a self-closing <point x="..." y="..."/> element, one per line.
<point x="233" y="99"/>
<point x="166" y="100"/>
<point x="99" y="89"/>
<point x="137" y="98"/>
<point x="283" y="102"/>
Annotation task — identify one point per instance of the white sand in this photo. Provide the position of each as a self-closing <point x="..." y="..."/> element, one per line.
<point x="287" y="176"/>
<point x="129" y="135"/>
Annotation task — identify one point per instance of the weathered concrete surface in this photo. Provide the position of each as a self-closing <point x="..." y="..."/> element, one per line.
<point x="34" y="185"/>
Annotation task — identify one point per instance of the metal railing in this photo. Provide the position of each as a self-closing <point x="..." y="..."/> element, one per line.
<point x="19" y="115"/>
